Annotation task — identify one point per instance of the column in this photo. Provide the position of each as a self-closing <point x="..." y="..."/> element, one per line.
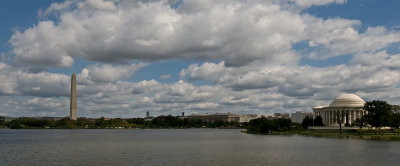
<point x="326" y="118"/>
<point x="356" y="114"/>
<point x="351" y="116"/>
<point x="329" y="117"/>
<point x="348" y="116"/>
<point x="334" y="116"/>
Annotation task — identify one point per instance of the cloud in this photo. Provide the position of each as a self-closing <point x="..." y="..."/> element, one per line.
<point x="203" y="106"/>
<point x="165" y="76"/>
<point x="16" y="81"/>
<point x="118" y="31"/>
<point x="300" y="88"/>
<point x="56" y="7"/>
<point x="93" y="79"/>
<point x="109" y="73"/>
<point x="363" y="75"/>
<point x="378" y="59"/>
<point x="146" y="86"/>
<point x="235" y="32"/>
<point x="308" y="3"/>
<point x="335" y="39"/>
<point x="98" y="5"/>
<point x="207" y="71"/>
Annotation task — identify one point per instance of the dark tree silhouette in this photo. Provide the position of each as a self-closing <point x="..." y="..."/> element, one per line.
<point x="379" y="113"/>
<point x="318" y="121"/>
<point x="307" y="121"/>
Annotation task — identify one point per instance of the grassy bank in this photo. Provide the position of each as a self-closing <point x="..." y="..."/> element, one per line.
<point x="385" y="135"/>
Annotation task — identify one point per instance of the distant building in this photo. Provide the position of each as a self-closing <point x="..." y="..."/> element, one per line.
<point x="148" y="117"/>
<point x="248" y="117"/>
<point x="8" y="119"/>
<point x="51" y="118"/>
<point x="226" y="117"/>
<point x="298" y="116"/>
<point x="281" y="115"/>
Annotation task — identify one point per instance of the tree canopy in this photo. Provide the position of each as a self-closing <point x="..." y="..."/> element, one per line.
<point x="378" y="113"/>
<point x="264" y="125"/>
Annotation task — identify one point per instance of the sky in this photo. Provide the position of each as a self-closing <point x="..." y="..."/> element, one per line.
<point x="195" y="56"/>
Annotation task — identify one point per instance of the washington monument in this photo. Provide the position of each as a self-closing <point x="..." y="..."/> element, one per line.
<point x="72" y="112"/>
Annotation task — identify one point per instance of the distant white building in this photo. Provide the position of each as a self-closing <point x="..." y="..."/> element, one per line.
<point x="298" y="116"/>
<point x="248" y="117"/>
<point x="281" y="115"/>
<point x="226" y="117"/>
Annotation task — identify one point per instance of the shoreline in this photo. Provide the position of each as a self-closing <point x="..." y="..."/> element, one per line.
<point x="327" y="134"/>
<point x="385" y="136"/>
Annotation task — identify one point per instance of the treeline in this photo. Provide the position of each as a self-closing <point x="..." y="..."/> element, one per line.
<point x="25" y="122"/>
<point x="265" y="126"/>
<point x="309" y="121"/>
<point x="380" y="114"/>
<point x="158" y="122"/>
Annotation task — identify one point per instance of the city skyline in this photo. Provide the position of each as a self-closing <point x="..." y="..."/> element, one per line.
<point x="173" y="56"/>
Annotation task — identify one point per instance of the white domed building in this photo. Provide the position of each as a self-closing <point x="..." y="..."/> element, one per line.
<point x="346" y="107"/>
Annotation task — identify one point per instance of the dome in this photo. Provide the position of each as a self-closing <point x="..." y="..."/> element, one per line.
<point x="348" y="100"/>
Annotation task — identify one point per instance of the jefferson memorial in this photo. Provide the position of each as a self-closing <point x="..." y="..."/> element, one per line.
<point x="346" y="107"/>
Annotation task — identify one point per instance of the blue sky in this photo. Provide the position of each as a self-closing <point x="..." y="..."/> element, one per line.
<point x="171" y="56"/>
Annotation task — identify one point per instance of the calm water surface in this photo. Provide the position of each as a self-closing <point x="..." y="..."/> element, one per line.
<point x="187" y="147"/>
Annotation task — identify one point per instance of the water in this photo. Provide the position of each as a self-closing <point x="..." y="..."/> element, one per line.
<point x="187" y="147"/>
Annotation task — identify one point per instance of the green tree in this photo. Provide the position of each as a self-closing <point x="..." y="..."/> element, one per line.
<point x="218" y="123"/>
<point x="16" y="124"/>
<point x="260" y="125"/>
<point x="196" y="123"/>
<point x="101" y="122"/>
<point x="264" y="125"/>
<point x="378" y="115"/>
<point x="117" y="122"/>
<point x="138" y="121"/>
<point x="158" y="123"/>
<point x="395" y="118"/>
<point x="360" y="122"/>
<point x="2" y="123"/>
<point x="173" y="121"/>
<point x="318" y="121"/>
<point x="282" y="124"/>
<point x="307" y="121"/>
<point x="84" y="123"/>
